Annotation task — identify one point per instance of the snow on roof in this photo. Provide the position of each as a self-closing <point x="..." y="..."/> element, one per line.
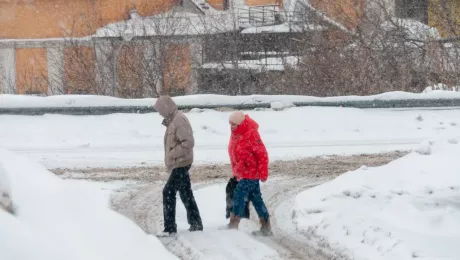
<point x="414" y="29"/>
<point x="170" y="24"/>
<point x="283" y="28"/>
<point x="273" y="63"/>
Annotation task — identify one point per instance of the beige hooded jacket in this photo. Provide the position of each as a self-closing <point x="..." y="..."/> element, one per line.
<point x="178" y="140"/>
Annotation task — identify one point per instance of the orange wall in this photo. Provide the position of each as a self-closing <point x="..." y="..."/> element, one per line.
<point x="57" y="18"/>
<point x="346" y="12"/>
<point x="31" y="71"/>
<point x="216" y="4"/>
<point x="261" y="2"/>
<point x="177" y="73"/>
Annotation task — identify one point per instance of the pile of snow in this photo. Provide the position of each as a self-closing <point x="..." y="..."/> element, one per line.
<point x="57" y="219"/>
<point x="280" y="105"/>
<point x="18" y="101"/>
<point x="424" y="148"/>
<point x="406" y="209"/>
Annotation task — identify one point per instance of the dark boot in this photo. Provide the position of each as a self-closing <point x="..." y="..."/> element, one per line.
<point x="194" y="228"/>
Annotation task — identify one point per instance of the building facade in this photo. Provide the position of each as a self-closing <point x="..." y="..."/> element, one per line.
<point x="37" y="52"/>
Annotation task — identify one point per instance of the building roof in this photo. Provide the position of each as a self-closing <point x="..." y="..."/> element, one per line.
<point x="171" y="24"/>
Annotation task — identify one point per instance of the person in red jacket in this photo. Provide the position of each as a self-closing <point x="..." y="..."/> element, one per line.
<point x="249" y="160"/>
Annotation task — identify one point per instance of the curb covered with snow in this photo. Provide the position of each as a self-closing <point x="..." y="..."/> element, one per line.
<point x="403" y="210"/>
<point x="59" y="219"/>
<point x="88" y="104"/>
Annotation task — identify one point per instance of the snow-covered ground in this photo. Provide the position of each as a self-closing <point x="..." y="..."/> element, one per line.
<point x="404" y="210"/>
<point x="63" y="219"/>
<point x="13" y="101"/>
<point x="120" y="140"/>
<point x="215" y="243"/>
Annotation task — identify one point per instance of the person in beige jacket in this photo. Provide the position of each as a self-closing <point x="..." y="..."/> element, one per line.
<point x="178" y="145"/>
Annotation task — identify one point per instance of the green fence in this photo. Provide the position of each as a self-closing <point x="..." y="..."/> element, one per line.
<point x="104" y="110"/>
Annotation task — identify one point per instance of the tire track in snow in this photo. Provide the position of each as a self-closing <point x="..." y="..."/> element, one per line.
<point x="144" y="206"/>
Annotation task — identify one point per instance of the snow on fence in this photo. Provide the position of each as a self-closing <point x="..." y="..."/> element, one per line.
<point x="100" y="105"/>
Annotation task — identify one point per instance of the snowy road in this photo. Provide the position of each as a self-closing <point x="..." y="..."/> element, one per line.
<point x="143" y="204"/>
<point x="145" y="208"/>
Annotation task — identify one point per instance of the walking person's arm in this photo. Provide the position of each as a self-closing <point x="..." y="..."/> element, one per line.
<point x="184" y="135"/>
<point x="261" y="154"/>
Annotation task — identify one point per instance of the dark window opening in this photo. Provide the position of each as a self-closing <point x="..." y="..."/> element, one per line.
<point x="412" y="9"/>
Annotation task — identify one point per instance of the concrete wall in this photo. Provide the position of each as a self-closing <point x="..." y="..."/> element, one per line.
<point x="346" y="12"/>
<point x="7" y="70"/>
<point x="55" y="65"/>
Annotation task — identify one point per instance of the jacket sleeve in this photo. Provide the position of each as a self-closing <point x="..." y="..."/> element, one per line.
<point x="261" y="154"/>
<point x="184" y="136"/>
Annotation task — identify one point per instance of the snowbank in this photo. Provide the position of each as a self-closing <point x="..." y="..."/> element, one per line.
<point x="5" y="191"/>
<point x="406" y="209"/>
<point x="14" y="101"/>
<point x="58" y="219"/>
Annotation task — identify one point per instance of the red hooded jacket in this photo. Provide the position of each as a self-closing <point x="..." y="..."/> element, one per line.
<point x="248" y="155"/>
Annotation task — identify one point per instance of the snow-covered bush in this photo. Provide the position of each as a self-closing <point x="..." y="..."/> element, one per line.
<point x="441" y="87"/>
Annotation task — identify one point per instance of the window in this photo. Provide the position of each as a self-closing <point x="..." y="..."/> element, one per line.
<point x="413" y="9"/>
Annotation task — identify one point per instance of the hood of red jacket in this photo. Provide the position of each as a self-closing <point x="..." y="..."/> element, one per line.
<point x="247" y="124"/>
